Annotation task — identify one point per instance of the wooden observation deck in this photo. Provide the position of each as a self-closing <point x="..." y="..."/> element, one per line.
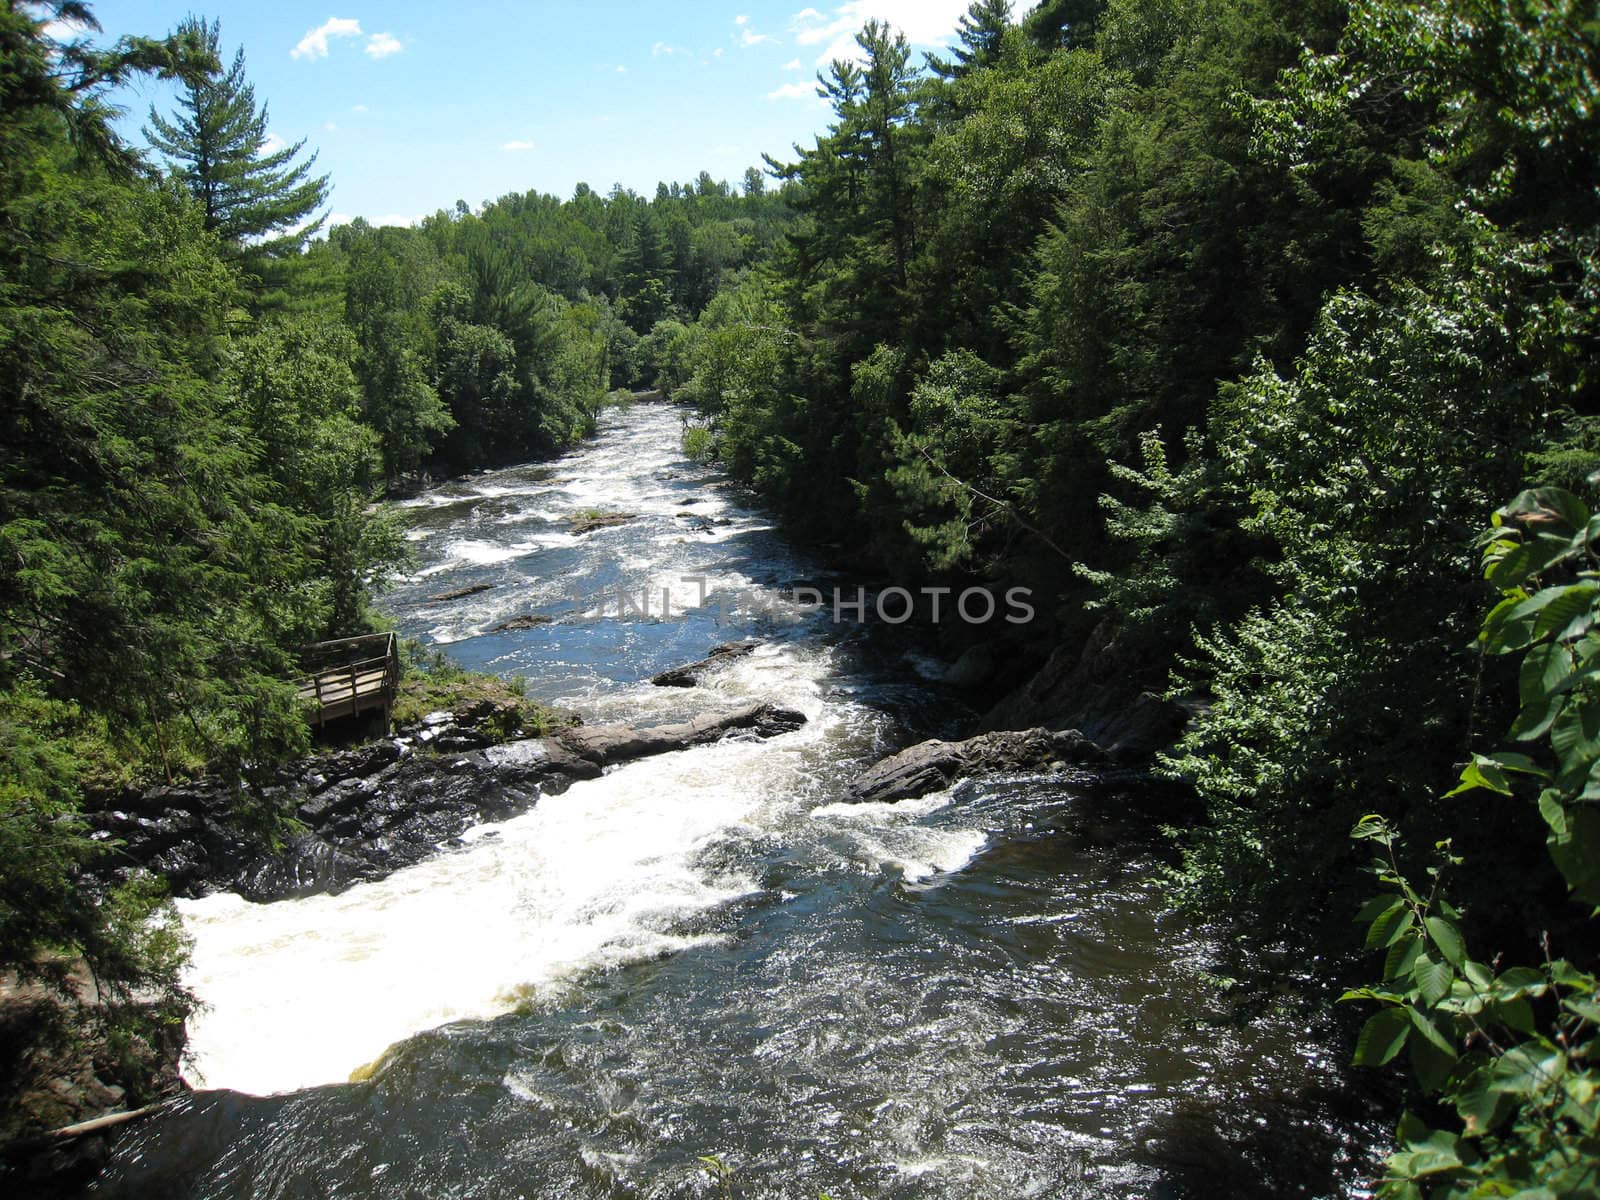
<point x="351" y="676"/>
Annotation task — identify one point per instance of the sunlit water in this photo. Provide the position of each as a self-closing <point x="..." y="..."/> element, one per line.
<point x="974" y="994"/>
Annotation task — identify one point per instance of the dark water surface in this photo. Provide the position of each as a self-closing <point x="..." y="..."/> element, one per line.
<point x="972" y="995"/>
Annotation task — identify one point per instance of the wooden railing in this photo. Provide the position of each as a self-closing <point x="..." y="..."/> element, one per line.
<point x="350" y="676"/>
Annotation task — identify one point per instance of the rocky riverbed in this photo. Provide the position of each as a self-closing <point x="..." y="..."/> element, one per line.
<point x="360" y="815"/>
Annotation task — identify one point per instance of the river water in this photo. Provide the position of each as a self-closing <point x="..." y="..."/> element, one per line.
<point x="977" y="994"/>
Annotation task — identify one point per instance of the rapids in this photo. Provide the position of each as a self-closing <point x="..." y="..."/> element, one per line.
<point x="973" y="995"/>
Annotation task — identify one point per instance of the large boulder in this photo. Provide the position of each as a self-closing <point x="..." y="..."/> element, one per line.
<point x="608" y="744"/>
<point x="932" y="765"/>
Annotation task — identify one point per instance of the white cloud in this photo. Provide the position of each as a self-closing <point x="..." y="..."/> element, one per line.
<point x="717" y="53"/>
<point x="924" y="22"/>
<point x="794" y="64"/>
<point x="794" y="91"/>
<point x="663" y="50"/>
<point x="622" y="70"/>
<point x="751" y="38"/>
<point x="741" y="20"/>
<point x="519" y="145"/>
<point x="63" y="31"/>
<point x="382" y="45"/>
<point x="315" y="42"/>
<point x="330" y="127"/>
<point x="339" y="219"/>
<point x="272" y="143"/>
<point x="359" y="108"/>
<point x="394" y="219"/>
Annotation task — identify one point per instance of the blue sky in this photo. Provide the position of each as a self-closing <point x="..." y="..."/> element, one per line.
<point x="413" y="106"/>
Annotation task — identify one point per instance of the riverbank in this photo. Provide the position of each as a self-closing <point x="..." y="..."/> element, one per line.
<point x="976" y="991"/>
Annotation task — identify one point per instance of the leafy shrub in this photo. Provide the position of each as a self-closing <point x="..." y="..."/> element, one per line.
<point x="1512" y="1051"/>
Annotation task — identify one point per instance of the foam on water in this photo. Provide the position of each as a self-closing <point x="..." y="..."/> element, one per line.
<point x="303" y="992"/>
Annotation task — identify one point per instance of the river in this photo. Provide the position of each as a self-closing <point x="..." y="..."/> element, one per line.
<point x="977" y="994"/>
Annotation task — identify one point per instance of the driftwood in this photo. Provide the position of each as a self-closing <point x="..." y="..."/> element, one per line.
<point x="42" y="1141"/>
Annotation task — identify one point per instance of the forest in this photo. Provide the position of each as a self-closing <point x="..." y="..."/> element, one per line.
<point x="1256" y="335"/>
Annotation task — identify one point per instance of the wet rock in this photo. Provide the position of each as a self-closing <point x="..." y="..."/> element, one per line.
<point x="600" y="521"/>
<point x="932" y="765"/>
<point x="973" y="669"/>
<point x="1103" y="689"/>
<point x="369" y="812"/>
<point x="517" y="624"/>
<point x="454" y="739"/>
<point x="608" y="744"/>
<point x="693" y="673"/>
<point x="462" y="593"/>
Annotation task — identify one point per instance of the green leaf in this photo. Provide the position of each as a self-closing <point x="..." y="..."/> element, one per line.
<point x="1402" y="957"/>
<point x="1519" y="982"/>
<point x="1374" y="908"/>
<point x="1389" y="925"/>
<point x="1527" y="1070"/>
<point x="1544" y="668"/>
<point x="1382" y="1037"/>
<point x="1520" y="763"/>
<point x="1586" y="1009"/>
<point x="1570" y="614"/>
<point x="1433" y="978"/>
<point x="1575" y="737"/>
<point x="1577" y="853"/>
<point x="1448" y="938"/>
<point x="1440" y="1153"/>
<point x="1431" y="1064"/>
<point x="1503" y="634"/>
<point x="1535" y="719"/>
<point x="1527" y="560"/>
<point x="1515" y="1014"/>
<point x="1431" y="1032"/>
<point x="1481" y="1108"/>
<point x="1545" y="508"/>
<point x="1553" y="812"/>
<point x="1482" y="772"/>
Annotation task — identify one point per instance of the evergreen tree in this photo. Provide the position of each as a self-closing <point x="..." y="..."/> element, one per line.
<point x="218" y="145"/>
<point x="1069" y="23"/>
<point x="982" y="30"/>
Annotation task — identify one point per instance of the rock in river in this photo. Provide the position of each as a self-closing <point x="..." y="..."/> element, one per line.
<point x="932" y="765"/>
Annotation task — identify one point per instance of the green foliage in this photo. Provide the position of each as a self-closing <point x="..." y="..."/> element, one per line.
<point x="434" y="683"/>
<point x="1362" y="469"/>
<point x="698" y="442"/>
<point x="218" y="146"/>
<point x="1511" y="1051"/>
<point x="130" y="939"/>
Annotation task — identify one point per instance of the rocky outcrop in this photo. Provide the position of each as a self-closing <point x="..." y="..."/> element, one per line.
<point x="693" y="673"/>
<point x="608" y="744"/>
<point x="367" y="813"/>
<point x="462" y="593"/>
<point x="600" y="521"/>
<point x="517" y="624"/>
<point x="1101" y="690"/>
<point x="932" y="765"/>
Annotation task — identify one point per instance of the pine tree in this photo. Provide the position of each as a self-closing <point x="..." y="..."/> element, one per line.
<point x="982" y="29"/>
<point x="1069" y="23"/>
<point x="218" y="144"/>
